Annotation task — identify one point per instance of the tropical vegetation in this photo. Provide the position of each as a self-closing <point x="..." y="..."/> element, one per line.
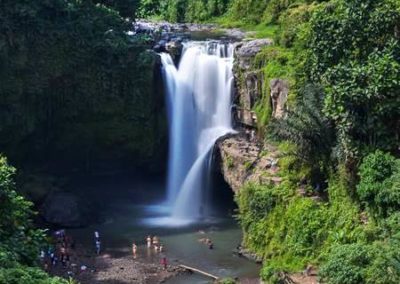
<point x="338" y="140"/>
<point x="75" y="85"/>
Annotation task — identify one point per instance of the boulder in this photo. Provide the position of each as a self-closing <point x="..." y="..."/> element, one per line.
<point x="65" y="209"/>
<point x="246" y="51"/>
<point x="279" y="94"/>
<point x="174" y="48"/>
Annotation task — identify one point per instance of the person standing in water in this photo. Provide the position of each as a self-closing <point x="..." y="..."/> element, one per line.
<point x="155" y="241"/>
<point x="148" y="240"/>
<point x="98" y="247"/>
<point x="134" y="250"/>
<point x="163" y="262"/>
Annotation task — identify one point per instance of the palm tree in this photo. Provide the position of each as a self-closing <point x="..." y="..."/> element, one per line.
<point x="306" y="126"/>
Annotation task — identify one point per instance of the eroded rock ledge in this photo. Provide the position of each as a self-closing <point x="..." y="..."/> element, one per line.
<point x="243" y="160"/>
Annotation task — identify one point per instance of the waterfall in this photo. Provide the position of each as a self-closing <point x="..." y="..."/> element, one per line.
<point x="199" y="112"/>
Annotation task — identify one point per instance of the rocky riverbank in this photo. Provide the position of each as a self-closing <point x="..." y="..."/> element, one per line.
<point x="114" y="267"/>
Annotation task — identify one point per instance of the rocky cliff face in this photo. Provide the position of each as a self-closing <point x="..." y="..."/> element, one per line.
<point x="249" y="82"/>
<point x="243" y="160"/>
<point x="279" y="94"/>
<point x="242" y="157"/>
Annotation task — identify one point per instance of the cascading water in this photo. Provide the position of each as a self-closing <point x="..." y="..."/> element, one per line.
<point x="199" y="111"/>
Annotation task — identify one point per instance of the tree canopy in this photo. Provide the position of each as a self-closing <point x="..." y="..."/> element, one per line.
<point x="75" y="85"/>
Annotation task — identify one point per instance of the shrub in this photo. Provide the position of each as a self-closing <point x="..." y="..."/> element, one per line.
<point x="255" y="202"/>
<point x="19" y="240"/>
<point x="362" y="263"/>
<point x="247" y="11"/>
<point x="391" y="226"/>
<point x="294" y="23"/>
<point x="27" y="275"/>
<point x="379" y="186"/>
<point x="305" y="227"/>
<point x="346" y="264"/>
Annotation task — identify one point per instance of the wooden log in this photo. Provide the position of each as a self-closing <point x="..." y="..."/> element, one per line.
<point x="198" y="271"/>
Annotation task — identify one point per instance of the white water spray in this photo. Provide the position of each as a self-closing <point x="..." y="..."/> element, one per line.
<point x="199" y="112"/>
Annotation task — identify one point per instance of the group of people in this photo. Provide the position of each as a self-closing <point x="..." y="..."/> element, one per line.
<point x="62" y="251"/>
<point x="57" y="253"/>
<point x="152" y="243"/>
<point x="155" y="243"/>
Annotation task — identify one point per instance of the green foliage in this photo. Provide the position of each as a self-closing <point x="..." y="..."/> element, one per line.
<point x="19" y="240"/>
<point x="227" y="281"/>
<point x="379" y="186"/>
<point x="27" y="275"/>
<point x="294" y="25"/>
<point x="311" y="132"/>
<point x="247" y="11"/>
<point x="230" y="162"/>
<point x="255" y="202"/>
<point x="74" y="85"/>
<point x="291" y="232"/>
<point x="263" y="11"/>
<point x="346" y="263"/>
<point x="341" y="59"/>
<point x="126" y="8"/>
<point x="391" y="226"/>
<point x="183" y="10"/>
<point x="361" y="263"/>
<point x="306" y="231"/>
<point x="273" y="229"/>
<point x="274" y="62"/>
<point x="354" y="53"/>
<point x="232" y="13"/>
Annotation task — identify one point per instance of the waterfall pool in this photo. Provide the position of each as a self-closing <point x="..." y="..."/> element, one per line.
<point x="126" y="206"/>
